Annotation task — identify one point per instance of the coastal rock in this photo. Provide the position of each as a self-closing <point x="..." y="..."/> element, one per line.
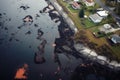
<point x="28" y="18"/>
<point x="21" y="73"/>
<point x="39" y="59"/>
<point x="40" y="33"/>
<point x="25" y="7"/>
<point x="29" y="32"/>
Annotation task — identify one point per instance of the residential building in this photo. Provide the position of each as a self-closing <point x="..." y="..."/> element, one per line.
<point x="75" y="5"/>
<point x="115" y="38"/>
<point x="98" y="16"/>
<point x="89" y="2"/>
<point x="95" y="18"/>
<point x="76" y="0"/>
<point x="102" y="13"/>
<point x="107" y="28"/>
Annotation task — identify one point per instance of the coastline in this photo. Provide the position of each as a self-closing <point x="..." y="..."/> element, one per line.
<point x="85" y="51"/>
<point x="64" y="15"/>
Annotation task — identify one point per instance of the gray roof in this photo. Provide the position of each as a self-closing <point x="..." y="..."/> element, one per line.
<point x="95" y="17"/>
<point x="116" y="38"/>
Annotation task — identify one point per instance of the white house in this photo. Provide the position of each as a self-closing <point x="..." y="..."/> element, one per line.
<point x="76" y="0"/>
<point x="118" y="24"/>
<point x="107" y="28"/>
<point x="115" y="38"/>
<point x="95" y="18"/>
<point x="102" y="13"/>
<point x="89" y="2"/>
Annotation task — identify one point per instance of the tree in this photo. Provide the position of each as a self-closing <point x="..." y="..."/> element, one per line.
<point x="81" y="13"/>
<point x="118" y="8"/>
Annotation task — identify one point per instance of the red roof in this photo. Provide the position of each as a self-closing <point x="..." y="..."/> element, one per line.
<point x="75" y="4"/>
<point x="90" y="1"/>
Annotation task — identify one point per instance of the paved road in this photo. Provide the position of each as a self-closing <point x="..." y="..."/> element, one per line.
<point x="116" y="17"/>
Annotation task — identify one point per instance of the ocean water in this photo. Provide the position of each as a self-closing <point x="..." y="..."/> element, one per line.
<point x="14" y="53"/>
<point x="17" y="47"/>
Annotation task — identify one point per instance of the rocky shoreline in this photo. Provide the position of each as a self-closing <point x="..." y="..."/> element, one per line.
<point x="67" y="45"/>
<point x="77" y="50"/>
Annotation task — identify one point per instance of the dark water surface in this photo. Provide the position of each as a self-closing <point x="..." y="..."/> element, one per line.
<point x="19" y="42"/>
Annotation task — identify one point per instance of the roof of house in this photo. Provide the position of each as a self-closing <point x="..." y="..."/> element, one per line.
<point x="107" y="26"/>
<point x="95" y="17"/>
<point x="76" y="5"/>
<point x="115" y="38"/>
<point x="76" y="0"/>
<point x="103" y="13"/>
<point x="90" y="1"/>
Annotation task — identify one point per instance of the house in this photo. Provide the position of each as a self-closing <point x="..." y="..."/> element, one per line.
<point x="95" y="18"/>
<point x="66" y="0"/>
<point x="118" y="24"/>
<point x="75" y="5"/>
<point x="115" y="38"/>
<point x="107" y="28"/>
<point x="76" y="0"/>
<point x="89" y="2"/>
<point x="98" y="16"/>
<point x="102" y="13"/>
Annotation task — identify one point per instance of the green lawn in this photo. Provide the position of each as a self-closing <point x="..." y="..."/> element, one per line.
<point x="97" y="32"/>
<point x="88" y="23"/>
<point x="116" y="50"/>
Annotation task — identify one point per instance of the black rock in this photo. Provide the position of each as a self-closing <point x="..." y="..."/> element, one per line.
<point x="28" y="18"/>
<point x="36" y="25"/>
<point x="30" y="46"/>
<point x="38" y="58"/>
<point x="41" y="11"/>
<point x="6" y="28"/>
<point x="57" y="21"/>
<point x="12" y="34"/>
<point x="9" y="19"/>
<point x="0" y="23"/>
<point x="17" y="40"/>
<point x="4" y="13"/>
<point x="0" y="14"/>
<point x="37" y="15"/>
<point x="24" y="7"/>
<point x="19" y="27"/>
<point x="10" y="39"/>
<point x="40" y="32"/>
<point x="29" y="32"/>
